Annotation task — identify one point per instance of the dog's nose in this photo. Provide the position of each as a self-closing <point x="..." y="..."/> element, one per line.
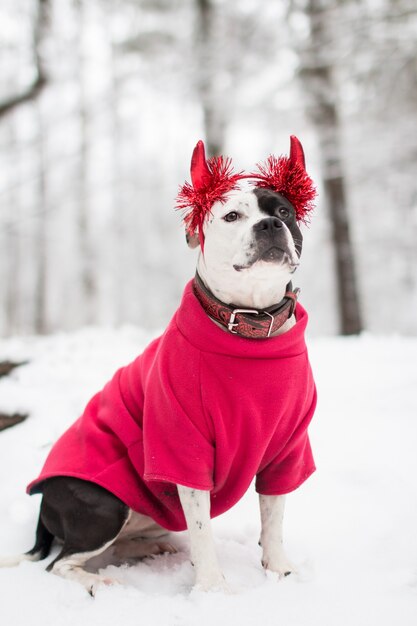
<point x="269" y="224"/>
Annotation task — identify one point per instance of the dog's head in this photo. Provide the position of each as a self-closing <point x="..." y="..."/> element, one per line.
<point x="257" y="226"/>
<point x="251" y="240"/>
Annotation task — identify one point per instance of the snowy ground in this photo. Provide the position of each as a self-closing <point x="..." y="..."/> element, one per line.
<point x="350" y="530"/>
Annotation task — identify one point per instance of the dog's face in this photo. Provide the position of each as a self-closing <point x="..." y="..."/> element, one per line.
<point x="252" y="237"/>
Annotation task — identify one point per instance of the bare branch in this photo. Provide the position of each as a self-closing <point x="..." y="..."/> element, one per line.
<point x="31" y="91"/>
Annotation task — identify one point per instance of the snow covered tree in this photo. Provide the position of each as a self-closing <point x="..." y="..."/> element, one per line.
<point x="18" y="96"/>
<point x="87" y="274"/>
<point x="315" y="48"/>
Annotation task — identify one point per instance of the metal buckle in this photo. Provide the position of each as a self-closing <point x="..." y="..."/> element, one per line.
<point x="271" y="323"/>
<point x="231" y="325"/>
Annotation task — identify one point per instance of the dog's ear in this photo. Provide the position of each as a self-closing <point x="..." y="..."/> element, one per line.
<point x="193" y="241"/>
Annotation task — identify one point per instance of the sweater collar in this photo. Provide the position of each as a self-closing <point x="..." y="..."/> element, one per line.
<point x="197" y="327"/>
<point x="247" y="322"/>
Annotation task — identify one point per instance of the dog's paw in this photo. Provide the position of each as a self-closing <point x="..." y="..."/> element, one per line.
<point x="96" y="581"/>
<point x="279" y="564"/>
<point x="164" y="547"/>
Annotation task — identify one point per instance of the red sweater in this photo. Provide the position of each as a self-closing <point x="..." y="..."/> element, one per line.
<point x="199" y="407"/>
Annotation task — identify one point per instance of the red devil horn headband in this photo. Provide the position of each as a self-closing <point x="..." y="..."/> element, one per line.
<point x="288" y="176"/>
<point x="213" y="179"/>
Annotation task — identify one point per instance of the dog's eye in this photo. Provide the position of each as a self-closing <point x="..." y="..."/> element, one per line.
<point x="283" y="213"/>
<point x="231" y="217"/>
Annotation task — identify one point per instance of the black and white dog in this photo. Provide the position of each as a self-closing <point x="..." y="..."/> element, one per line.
<point x="252" y="246"/>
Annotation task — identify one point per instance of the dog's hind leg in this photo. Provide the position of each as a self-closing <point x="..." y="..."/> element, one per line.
<point x="88" y="519"/>
<point x="39" y="551"/>
<point x="70" y="564"/>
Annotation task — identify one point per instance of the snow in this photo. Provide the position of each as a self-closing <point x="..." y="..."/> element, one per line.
<point x="350" y="530"/>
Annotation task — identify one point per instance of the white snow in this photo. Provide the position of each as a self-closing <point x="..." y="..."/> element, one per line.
<point x="350" y="530"/>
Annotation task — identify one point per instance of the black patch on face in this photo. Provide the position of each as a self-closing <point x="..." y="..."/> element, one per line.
<point x="271" y="203"/>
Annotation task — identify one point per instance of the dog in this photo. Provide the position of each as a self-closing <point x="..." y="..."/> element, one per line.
<point x="223" y="397"/>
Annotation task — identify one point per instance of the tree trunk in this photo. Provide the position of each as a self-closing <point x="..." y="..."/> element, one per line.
<point x="41" y="230"/>
<point x="320" y="94"/>
<point x="87" y="278"/>
<point x="8" y="106"/>
<point x="119" y="225"/>
<point x="207" y="76"/>
<point x="11" y="252"/>
<point x="40" y="313"/>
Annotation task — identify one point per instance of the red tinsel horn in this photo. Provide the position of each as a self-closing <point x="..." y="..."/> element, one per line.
<point x="297" y="152"/>
<point x="211" y="181"/>
<point x="288" y="176"/>
<point x="200" y="173"/>
<point x="200" y="177"/>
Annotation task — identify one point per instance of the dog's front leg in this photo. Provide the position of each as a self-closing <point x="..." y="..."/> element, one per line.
<point x="196" y="507"/>
<point x="272" y="517"/>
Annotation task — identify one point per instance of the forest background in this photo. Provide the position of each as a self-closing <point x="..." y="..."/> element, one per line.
<point x="102" y="102"/>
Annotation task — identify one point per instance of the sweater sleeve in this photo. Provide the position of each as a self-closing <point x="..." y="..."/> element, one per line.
<point x="289" y="469"/>
<point x="178" y="447"/>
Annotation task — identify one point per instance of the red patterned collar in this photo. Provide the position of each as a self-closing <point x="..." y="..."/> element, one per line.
<point x="249" y="323"/>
